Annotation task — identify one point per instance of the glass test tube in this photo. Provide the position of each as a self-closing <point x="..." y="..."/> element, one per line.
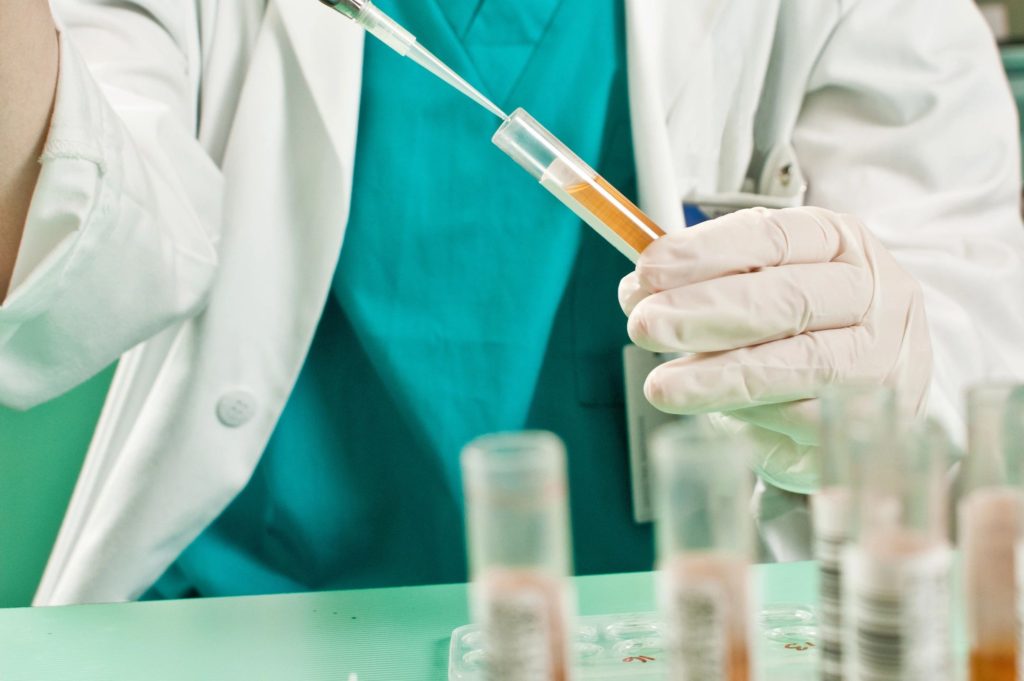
<point x="519" y="552"/>
<point x="576" y="185"/>
<point x="705" y="543"/>
<point x="856" y="420"/>
<point x="896" y="570"/>
<point x="990" y="528"/>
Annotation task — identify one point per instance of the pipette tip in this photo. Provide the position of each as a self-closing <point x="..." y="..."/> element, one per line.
<point x="427" y="60"/>
<point x="495" y="110"/>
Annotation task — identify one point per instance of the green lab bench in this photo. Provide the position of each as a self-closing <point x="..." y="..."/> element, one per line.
<point x="382" y="634"/>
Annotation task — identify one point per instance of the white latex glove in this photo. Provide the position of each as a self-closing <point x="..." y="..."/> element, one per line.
<point x="776" y="305"/>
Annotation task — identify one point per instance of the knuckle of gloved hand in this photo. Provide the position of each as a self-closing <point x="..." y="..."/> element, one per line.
<point x="859" y="245"/>
<point x="757" y="214"/>
<point x="840" y="221"/>
<point x="841" y="235"/>
<point x="914" y="304"/>
<point x="915" y="288"/>
<point x="862" y="295"/>
<point x="895" y="281"/>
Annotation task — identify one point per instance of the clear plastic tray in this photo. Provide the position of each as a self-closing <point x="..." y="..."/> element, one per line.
<point x="630" y="646"/>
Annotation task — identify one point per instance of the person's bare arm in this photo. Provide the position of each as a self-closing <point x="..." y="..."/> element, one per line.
<point x="28" y="78"/>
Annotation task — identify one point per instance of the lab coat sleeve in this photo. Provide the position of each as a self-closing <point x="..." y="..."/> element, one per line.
<point x="119" y="238"/>
<point x="908" y="123"/>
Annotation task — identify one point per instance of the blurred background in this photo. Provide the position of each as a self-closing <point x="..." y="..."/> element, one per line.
<point x="41" y="450"/>
<point x="1006" y="17"/>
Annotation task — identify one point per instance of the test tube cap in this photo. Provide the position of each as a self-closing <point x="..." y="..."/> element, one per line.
<point x="903" y="484"/>
<point x="517" y="502"/>
<point x="702" y="490"/>
<point x="995" y="435"/>
<point x="856" y="418"/>
<point x="523" y="462"/>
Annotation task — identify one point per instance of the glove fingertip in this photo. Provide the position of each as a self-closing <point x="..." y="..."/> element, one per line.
<point x="664" y="394"/>
<point x="640" y="330"/>
<point x="630" y="293"/>
<point x="654" y="391"/>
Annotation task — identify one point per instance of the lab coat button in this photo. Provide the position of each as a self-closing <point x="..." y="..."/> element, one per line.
<point x="236" y="408"/>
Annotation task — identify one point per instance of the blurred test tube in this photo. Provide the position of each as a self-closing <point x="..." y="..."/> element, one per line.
<point x="897" y="566"/>
<point x="856" y="420"/>
<point x="520" y="555"/>
<point x="705" y="544"/>
<point x="990" y="528"/>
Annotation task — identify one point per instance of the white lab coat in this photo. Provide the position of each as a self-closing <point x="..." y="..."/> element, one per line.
<point x="196" y="186"/>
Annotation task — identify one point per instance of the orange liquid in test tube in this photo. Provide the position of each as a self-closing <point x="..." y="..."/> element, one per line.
<point x="616" y="212"/>
<point x="989" y="526"/>
<point x="993" y="665"/>
<point x="576" y="184"/>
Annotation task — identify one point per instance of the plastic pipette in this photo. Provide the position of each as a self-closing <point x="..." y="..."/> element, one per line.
<point x="392" y="34"/>
<point x="553" y="164"/>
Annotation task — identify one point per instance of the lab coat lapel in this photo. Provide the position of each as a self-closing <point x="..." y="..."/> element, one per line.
<point x="329" y="49"/>
<point x="280" y="236"/>
<point x="667" y="48"/>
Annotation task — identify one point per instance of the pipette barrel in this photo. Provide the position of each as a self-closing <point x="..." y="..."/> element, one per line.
<point x="519" y="551"/>
<point x="576" y="184"/>
<point x="378" y="24"/>
<point x="394" y="35"/>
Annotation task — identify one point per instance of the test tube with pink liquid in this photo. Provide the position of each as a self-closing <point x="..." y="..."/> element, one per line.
<point x="990" y="529"/>
<point x="705" y="545"/>
<point x="897" y="566"/>
<point x="857" y="420"/>
<point x="520" y="554"/>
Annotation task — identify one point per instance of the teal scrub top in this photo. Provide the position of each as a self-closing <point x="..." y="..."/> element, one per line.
<point x="467" y="300"/>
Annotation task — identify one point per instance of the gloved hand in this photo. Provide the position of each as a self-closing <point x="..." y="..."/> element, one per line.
<point x="775" y="305"/>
